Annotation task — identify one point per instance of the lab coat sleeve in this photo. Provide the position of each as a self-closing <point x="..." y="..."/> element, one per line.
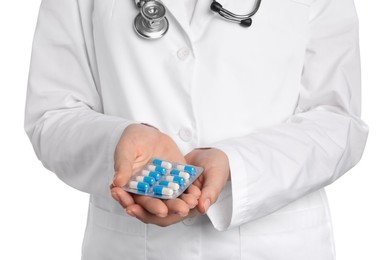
<point x="321" y="141"/>
<point x="64" y="116"/>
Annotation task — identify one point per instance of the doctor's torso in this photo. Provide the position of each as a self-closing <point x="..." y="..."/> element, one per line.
<point x="208" y="78"/>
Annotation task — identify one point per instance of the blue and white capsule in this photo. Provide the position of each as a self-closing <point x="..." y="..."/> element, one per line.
<point x="140" y="186"/>
<point x="177" y="179"/>
<point x="175" y="172"/>
<point x="156" y="168"/>
<point x="150" y="180"/>
<point x="187" y="168"/>
<point x="165" y="164"/>
<point x="174" y="186"/>
<point x="155" y="175"/>
<point x="161" y="190"/>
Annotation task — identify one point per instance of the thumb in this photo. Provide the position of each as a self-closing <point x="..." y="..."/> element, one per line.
<point x="123" y="173"/>
<point x="213" y="183"/>
<point x="124" y="158"/>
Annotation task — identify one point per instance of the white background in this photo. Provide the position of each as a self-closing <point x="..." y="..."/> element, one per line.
<point x="41" y="218"/>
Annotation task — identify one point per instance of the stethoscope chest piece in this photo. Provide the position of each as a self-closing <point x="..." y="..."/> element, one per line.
<point x="151" y="22"/>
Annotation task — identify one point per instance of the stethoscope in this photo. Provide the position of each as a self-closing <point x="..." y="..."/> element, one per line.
<point x="151" y="22"/>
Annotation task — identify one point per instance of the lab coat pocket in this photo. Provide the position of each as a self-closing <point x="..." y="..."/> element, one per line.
<point x="293" y="234"/>
<point x="112" y="236"/>
<point x="282" y="26"/>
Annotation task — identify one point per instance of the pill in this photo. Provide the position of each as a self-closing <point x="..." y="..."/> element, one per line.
<point x="155" y="175"/>
<point x="187" y="168"/>
<point x="156" y="168"/>
<point x="175" y="172"/>
<point x="174" y="186"/>
<point x="161" y="190"/>
<point x="142" y="186"/>
<point x="177" y="179"/>
<point x="147" y="179"/>
<point x="162" y="163"/>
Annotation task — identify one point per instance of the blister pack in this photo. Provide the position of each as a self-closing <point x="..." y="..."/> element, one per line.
<point x="163" y="179"/>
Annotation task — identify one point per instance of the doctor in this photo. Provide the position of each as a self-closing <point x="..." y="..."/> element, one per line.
<point x="270" y="111"/>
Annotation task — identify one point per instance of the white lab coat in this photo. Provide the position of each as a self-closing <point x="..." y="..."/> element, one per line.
<point x="281" y="99"/>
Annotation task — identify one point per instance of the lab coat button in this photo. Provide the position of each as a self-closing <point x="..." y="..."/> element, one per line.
<point x="185" y="134"/>
<point x="183" y="53"/>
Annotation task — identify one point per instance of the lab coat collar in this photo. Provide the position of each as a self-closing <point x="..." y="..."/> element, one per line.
<point x="195" y="25"/>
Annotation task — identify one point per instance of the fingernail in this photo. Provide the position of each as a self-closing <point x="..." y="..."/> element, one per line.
<point x="161" y="215"/>
<point x="115" y="196"/>
<point x="130" y="212"/>
<point x="182" y="214"/>
<point x="206" y="205"/>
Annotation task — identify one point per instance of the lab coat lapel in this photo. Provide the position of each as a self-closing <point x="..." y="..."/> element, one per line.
<point x="203" y="15"/>
<point x="177" y="9"/>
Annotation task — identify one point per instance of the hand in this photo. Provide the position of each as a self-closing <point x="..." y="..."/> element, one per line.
<point x="137" y="145"/>
<point x="136" y="210"/>
<point x="216" y="173"/>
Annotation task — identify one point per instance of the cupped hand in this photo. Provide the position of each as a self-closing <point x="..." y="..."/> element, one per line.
<point x="148" y="209"/>
<point x="138" y="144"/>
<point x="216" y="173"/>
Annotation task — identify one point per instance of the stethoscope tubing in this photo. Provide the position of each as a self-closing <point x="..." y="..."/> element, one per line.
<point x="237" y="17"/>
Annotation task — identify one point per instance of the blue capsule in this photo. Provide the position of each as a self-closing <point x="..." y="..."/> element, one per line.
<point x="156" y="168"/>
<point x="161" y="190"/>
<point x="187" y="168"/>
<point x="141" y="186"/>
<point x="150" y="180"/>
<point x="173" y="185"/>
<point x="177" y="179"/>
<point x="155" y="175"/>
<point x="162" y="163"/>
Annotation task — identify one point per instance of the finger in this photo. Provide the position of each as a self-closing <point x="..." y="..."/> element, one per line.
<point x="193" y="190"/>
<point x="123" y="197"/>
<point x="144" y="216"/>
<point x="192" y="213"/>
<point x="198" y="183"/>
<point x="190" y="199"/>
<point x="177" y="206"/>
<point x="152" y="205"/>
<point x="213" y="183"/>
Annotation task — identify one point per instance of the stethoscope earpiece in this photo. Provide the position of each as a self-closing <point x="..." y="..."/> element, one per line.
<point x="246" y="22"/>
<point x="151" y="22"/>
<point x="216" y="7"/>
